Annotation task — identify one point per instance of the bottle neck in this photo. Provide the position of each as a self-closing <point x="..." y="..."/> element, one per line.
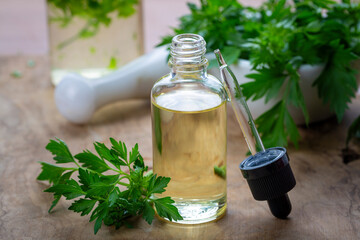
<point x="187" y="57"/>
<point x="188" y="69"/>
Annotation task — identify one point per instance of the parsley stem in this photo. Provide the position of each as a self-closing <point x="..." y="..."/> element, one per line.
<point x="119" y="171"/>
<point x="99" y="198"/>
<point x="90" y="170"/>
<point x="74" y="169"/>
<point x="76" y="164"/>
<point x="122" y="183"/>
<point x="123" y="178"/>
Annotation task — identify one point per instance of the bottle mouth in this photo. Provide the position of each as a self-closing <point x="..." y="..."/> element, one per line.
<point x="188" y="46"/>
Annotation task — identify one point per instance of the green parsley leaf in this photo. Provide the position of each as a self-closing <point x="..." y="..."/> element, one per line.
<point x="134" y="154"/>
<point x="99" y="189"/>
<point x="70" y="189"/>
<point x="231" y="54"/>
<point x="272" y="122"/>
<point x="91" y="161"/>
<point x="113" y="196"/>
<point x="149" y="213"/>
<point x="267" y="83"/>
<point x="158" y="184"/>
<point x="103" y="151"/>
<point x="86" y="178"/>
<point x="55" y="202"/>
<point x="337" y="83"/>
<point x="99" y="214"/>
<point x="139" y="163"/>
<point x="165" y="209"/>
<point x="51" y="172"/>
<point x="60" y="150"/>
<point x="66" y="176"/>
<point x="120" y="150"/>
<point x="83" y="206"/>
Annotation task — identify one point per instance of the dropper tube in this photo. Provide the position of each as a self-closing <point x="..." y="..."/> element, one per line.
<point x="267" y="172"/>
<point x="241" y="109"/>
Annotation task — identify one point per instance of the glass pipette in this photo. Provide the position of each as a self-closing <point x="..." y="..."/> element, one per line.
<point x="241" y="109"/>
<point x="267" y="171"/>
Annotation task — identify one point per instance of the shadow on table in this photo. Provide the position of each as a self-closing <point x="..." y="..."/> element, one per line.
<point x="210" y="230"/>
<point x="249" y="228"/>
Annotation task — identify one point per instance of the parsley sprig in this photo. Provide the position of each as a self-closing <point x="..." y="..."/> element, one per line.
<point x="99" y="177"/>
<point x="278" y="37"/>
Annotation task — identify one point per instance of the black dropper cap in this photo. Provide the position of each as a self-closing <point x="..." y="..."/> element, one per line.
<point x="270" y="178"/>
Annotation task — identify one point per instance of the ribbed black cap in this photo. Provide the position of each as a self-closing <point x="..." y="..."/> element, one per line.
<point x="270" y="177"/>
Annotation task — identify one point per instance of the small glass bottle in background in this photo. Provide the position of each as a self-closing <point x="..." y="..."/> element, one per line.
<point x="83" y="43"/>
<point x="189" y="132"/>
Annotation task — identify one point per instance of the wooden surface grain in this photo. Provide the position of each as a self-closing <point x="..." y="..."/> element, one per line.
<point x="326" y="199"/>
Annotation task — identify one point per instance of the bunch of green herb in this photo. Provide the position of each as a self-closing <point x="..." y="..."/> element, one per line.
<point x="277" y="38"/>
<point x="97" y="189"/>
<point x="96" y="13"/>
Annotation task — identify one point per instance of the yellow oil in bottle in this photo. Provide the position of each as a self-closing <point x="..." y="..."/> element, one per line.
<point x="189" y="140"/>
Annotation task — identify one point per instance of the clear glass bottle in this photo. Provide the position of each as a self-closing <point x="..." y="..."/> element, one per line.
<point x="189" y="132"/>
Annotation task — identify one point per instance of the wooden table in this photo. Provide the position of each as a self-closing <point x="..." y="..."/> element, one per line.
<point x="326" y="199"/>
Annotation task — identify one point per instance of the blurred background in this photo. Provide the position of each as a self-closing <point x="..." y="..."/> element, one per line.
<point x="94" y="38"/>
<point x="26" y="29"/>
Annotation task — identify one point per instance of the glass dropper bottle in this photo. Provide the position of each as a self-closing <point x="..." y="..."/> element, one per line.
<point x="267" y="171"/>
<point x="189" y="128"/>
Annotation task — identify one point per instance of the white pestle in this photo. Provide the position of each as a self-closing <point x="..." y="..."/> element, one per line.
<point x="77" y="98"/>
